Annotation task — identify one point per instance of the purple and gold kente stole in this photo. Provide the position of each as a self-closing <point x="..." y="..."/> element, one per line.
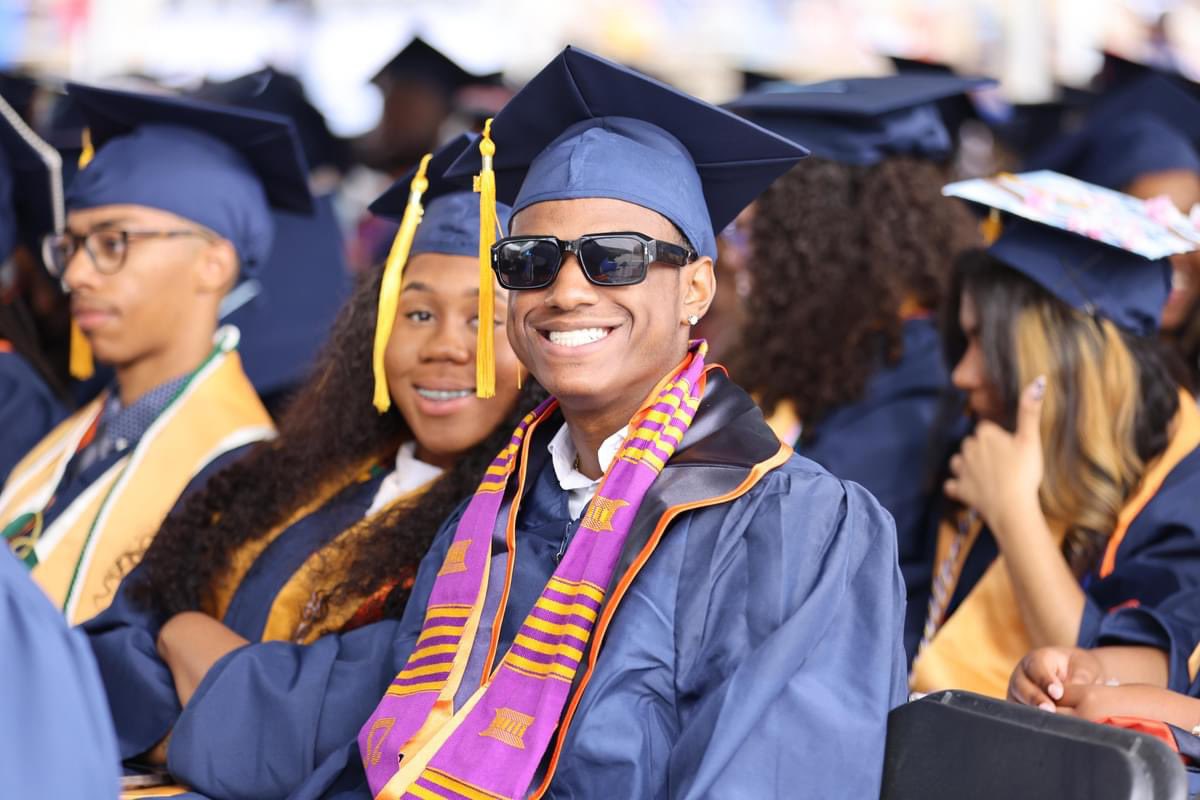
<point x="416" y="745"/>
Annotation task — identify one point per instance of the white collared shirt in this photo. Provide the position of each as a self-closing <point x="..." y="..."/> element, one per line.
<point x="579" y="487"/>
<point x="410" y="473"/>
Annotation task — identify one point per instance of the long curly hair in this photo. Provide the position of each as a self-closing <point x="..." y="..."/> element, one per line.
<point x="1110" y="395"/>
<point x="328" y="431"/>
<point x="837" y="250"/>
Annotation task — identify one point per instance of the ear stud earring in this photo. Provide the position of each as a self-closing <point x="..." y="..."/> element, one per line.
<point x="692" y="319"/>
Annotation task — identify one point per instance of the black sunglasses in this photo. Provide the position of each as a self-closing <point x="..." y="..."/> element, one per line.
<point x="608" y="259"/>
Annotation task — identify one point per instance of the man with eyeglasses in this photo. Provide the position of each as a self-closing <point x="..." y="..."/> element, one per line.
<point x="172" y="210"/>
<point x="648" y="595"/>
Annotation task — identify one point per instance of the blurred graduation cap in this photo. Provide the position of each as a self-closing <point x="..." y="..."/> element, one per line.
<point x="1118" y="72"/>
<point x="421" y="61"/>
<point x="753" y="79"/>
<point x="861" y="120"/>
<point x="1096" y="250"/>
<point x="1149" y="125"/>
<point x="19" y="90"/>
<point x="587" y="127"/>
<point x="31" y="194"/>
<point x="285" y="311"/>
<point x="280" y="93"/>
<point x="217" y="166"/>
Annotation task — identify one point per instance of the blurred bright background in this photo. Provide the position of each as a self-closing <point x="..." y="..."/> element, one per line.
<point x="335" y="46"/>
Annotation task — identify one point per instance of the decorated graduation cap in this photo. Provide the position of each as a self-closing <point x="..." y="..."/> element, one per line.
<point x="421" y="61"/>
<point x="217" y="166"/>
<point x="585" y="127"/>
<point x="1099" y="251"/>
<point x="31" y="195"/>
<point x="1149" y="125"/>
<point x="436" y="215"/>
<point x="861" y="120"/>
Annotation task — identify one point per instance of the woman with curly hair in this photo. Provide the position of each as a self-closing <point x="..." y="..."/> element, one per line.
<point x="1073" y="521"/>
<point x="850" y="255"/>
<point x="320" y="531"/>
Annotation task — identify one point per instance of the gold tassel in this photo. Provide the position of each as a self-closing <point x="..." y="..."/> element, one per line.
<point x="88" y="152"/>
<point x="81" y="365"/>
<point x="389" y="288"/>
<point x="991" y="228"/>
<point x="485" y="345"/>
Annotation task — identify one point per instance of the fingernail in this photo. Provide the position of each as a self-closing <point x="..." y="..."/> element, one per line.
<point x="1055" y="690"/>
<point x="1039" y="387"/>
<point x="1046" y="707"/>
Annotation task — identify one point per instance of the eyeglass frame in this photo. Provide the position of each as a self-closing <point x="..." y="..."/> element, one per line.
<point x="78" y="239"/>
<point x="653" y="251"/>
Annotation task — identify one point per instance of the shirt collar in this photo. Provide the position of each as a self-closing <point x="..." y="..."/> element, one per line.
<point x="563" y="453"/>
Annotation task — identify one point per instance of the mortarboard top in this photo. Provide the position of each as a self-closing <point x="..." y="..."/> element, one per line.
<point x="421" y="61"/>
<point x="1097" y="250"/>
<point x="31" y="195"/>
<point x="861" y="120"/>
<point x="753" y="79"/>
<point x="450" y="224"/>
<point x="585" y="127"/>
<point x="1149" y="125"/>
<point x="1118" y="71"/>
<point x="279" y="93"/>
<point x="215" y="165"/>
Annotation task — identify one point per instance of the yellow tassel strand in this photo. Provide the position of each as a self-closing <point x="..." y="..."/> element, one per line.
<point x="389" y="288"/>
<point x="485" y="345"/>
<point x="88" y="152"/>
<point x="991" y="228"/>
<point x="81" y="365"/>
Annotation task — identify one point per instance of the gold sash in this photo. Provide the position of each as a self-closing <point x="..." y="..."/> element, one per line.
<point x="117" y="514"/>
<point x="981" y="642"/>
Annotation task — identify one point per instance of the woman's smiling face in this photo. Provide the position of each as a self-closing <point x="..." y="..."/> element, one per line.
<point x="430" y="358"/>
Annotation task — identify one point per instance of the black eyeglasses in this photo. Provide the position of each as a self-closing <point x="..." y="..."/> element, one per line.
<point x="608" y="259"/>
<point x="106" y="248"/>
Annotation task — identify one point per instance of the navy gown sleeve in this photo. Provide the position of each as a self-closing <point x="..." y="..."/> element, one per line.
<point x="55" y="737"/>
<point x="140" y="690"/>
<point x="1156" y="574"/>
<point x="28" y="410"/>
<point x="266" y="715"/>
<point x="801" y="654"/>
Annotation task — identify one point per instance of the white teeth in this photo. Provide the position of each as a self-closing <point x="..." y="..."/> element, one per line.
<point x="577" y="338"/>
<point x="440" y="396"/>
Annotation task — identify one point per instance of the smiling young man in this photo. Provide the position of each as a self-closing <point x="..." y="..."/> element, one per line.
<point x="163" y="221"/>
<point x="648" y="596"/>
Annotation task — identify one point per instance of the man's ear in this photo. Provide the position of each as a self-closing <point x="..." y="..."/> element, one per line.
<point x="217" y="269"/>
<point x="699" y="287"/>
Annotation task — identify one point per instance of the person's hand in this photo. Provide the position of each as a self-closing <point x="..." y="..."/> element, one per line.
<point x="996" y="472"/>
<point x="189" y="643"/>
<point x="1043" y="675"/>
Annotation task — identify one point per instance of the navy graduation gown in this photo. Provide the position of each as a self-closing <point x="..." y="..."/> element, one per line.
<point x="28" y="410"/>
<point x="1145" y="599"/>
<point x="139" y="686"/>
<point x="55" y="733"/>
<point x="759" y="650"/>
<point x="887" y="441"/>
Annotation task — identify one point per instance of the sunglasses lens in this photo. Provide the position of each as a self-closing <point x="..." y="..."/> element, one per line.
<point x="614" y="260"/>
<point x="526" y="263"/>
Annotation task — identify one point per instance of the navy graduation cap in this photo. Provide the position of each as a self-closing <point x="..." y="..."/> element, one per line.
<point x="31" y="195"/>
<point x="450" y="224"/>
<point x="280" y="93"/>
<point x="587" y="127"/>
<point x="421" y="61"/>
<point x="1096" y="250"/>
<point x="861" y="120"/>
<point x="217" y="166"/>
<point x="1149" y="125"/>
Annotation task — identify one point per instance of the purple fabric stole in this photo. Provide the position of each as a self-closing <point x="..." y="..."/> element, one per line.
<point x="415" y="745"/>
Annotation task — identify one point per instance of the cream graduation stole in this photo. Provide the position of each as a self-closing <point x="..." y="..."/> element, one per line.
<point x="75" y="559"/>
